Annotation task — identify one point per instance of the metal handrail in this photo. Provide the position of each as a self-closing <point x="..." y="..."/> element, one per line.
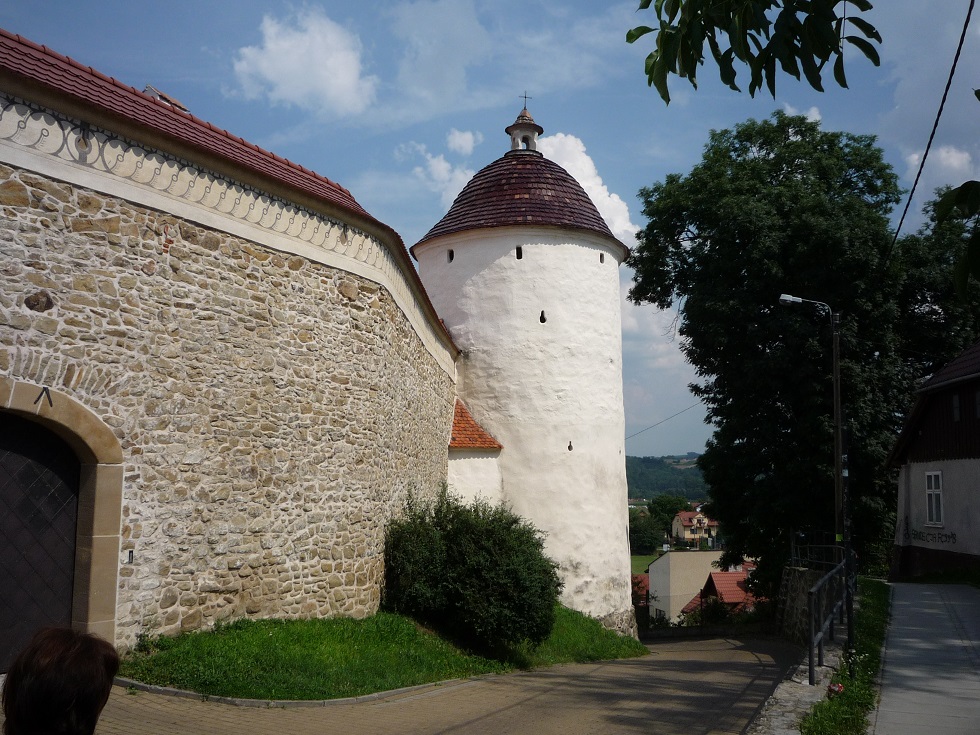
<point x="817" y="603"/>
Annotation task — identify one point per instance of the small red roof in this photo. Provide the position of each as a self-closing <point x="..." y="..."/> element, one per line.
<point x="729" y="587"/>
<point x="467" y="434"/>
<point x="687" y="518"/>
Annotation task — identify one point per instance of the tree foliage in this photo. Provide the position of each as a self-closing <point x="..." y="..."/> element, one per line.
<point x="801" y="36"/>
<point x="476" y="573"/>
<point x="780" y="206"/>
<point x="650" y="530"/>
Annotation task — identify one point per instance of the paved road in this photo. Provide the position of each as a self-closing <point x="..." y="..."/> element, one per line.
<point x="702" y="687"/>
<point x="930" y="679"/>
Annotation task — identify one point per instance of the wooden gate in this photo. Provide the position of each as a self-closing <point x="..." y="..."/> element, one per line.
<point x="39" y="477"/>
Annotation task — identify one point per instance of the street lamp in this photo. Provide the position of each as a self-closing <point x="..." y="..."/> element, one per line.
<point x="841" y="522"/>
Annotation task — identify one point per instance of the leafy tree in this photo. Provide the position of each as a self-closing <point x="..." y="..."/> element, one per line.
<point x="799" y="35"/>
<point x="645" y="537"/>
<point x="781" y="206"/>
<point x="663" y="508"/>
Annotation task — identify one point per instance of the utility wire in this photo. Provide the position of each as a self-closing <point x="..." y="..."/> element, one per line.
<point x="663" y="420"/>
<point x="935" y="125"/>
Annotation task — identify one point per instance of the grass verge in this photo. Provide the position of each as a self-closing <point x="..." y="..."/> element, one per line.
<point x="847" y="712"/>
<point x="640" y="562"/>
<point x="342" y="657"/>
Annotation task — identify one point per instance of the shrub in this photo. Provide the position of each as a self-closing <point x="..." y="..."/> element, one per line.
<point x="476" y="573"/>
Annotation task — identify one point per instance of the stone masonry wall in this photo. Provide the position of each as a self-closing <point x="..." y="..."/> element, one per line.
<point x="273" y="411"/>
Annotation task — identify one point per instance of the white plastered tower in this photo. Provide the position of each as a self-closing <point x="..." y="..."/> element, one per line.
<point x="524" y="273"/>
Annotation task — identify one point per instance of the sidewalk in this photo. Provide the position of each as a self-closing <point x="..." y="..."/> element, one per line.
<point x="931" y="666"/>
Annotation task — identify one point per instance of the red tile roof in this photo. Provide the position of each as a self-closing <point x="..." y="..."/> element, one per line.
<point x="730" y="588"/>
<point x="521" y="188"/>
<point x="41" y="65"/>
<point x="687" y="518"/>
<point x="467" y="434"/>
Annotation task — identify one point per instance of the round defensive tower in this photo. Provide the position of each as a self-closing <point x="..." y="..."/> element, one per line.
<point x="524" y="272"/>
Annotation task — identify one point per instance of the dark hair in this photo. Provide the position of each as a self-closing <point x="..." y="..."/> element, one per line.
<point x="59" y="684"/>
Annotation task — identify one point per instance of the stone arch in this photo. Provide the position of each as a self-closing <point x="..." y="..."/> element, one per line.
<point x="99" y="496"/>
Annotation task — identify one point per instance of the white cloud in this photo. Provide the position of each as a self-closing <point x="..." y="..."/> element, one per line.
<point x="947" y="165"/>
<point x="569" y="153"/>
<point x="812" y="114"/>
<point x="463" y="141"/>
<point x="438" y="174"/>
<point x="309" y="61"/>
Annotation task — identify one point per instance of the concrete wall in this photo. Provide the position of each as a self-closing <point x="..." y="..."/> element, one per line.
<point x="550" y="390"/>
<point x="956" y="541"/>
<point x="475" y="474"/>
<point x="676" y="577"/>
<point x="274" y="387"/>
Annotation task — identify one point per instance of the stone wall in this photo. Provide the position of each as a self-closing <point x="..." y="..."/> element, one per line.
<point x="273" y="410"/>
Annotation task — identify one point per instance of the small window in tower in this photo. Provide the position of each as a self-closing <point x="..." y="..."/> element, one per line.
<point x="520" y="252"/>
<point x="602" y="257"/>
<point x="526" y="142"/>
<point x="569" y="446"/>
<point x="450" y="255"/>
<point x="543" y="318"/>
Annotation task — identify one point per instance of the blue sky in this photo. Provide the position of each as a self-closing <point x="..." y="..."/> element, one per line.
<point x="401" y="102"/>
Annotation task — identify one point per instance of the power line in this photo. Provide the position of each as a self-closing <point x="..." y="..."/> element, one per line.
<point x="663" y="420"/>
<point x="935" y="125"/>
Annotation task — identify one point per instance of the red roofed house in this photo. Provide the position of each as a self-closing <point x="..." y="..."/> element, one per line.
<point x="221" y="376"/>
<point x="938" y="453"/>
<point x="694" y="527"/>
<point x="730" y="588"/>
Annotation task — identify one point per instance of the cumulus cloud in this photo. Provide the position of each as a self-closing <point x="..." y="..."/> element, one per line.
<point x="309" y="61"/>
<point x="569" y="153"/>
<point x="946" y="163"/>
<point x="812" y="114"/>
<point x="463" y="141"/>
<point x="436" y="173"/>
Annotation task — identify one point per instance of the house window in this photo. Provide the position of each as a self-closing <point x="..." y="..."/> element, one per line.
<point x="956" y="408"/>
<point x="934" y="498"/>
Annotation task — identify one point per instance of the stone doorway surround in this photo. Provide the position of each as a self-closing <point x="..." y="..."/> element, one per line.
<point x="99" y="496"/>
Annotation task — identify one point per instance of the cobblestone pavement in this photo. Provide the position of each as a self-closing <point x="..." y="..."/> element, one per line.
<point x="693" y="686"/>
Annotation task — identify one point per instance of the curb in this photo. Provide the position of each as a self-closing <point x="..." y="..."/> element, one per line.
<point x="285" y="703"/>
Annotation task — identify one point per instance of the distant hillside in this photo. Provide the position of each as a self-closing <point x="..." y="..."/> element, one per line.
<point x="647" y="477"/>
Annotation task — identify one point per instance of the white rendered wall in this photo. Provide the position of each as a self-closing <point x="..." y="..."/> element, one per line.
<point x="475" y="474"/>
<point x="677" y="576"/>
<point x="551" y="393"/>
<point x="960" y="530"/>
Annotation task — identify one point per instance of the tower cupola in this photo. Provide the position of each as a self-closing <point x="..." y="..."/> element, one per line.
<point x="524" y="132"/>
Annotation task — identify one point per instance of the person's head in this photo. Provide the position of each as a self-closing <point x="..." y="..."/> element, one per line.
<point x="59" y="684"/>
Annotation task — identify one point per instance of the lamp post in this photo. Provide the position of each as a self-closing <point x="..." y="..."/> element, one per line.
<point x="841" y="515"/>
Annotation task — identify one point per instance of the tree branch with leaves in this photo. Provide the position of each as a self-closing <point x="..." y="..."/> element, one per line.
<point x="798" y="36"/>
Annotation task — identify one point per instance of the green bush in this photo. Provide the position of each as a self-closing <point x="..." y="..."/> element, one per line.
<point x="476" y="573"/>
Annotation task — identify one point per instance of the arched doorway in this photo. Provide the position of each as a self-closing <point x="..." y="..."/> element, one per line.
<point x="39" y="476"/>
<point x="61" y="487"/>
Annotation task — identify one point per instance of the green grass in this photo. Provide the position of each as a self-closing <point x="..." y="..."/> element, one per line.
<point x="640" y="563"/>
<point x="847" y="713"/>
<point x="342" y="657"/>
